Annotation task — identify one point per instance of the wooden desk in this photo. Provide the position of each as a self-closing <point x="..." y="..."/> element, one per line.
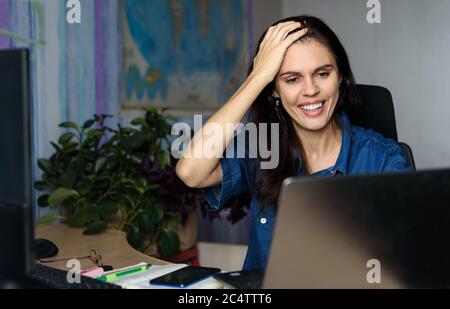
<point x="111" y="245"/>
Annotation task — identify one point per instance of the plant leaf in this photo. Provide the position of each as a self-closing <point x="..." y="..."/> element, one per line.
<point x="88" y="124"/>
<point x="86" y="187"/>
<point x="43" y="201"/>
<point x="101" y="182"/>
<point x="99" y="164"/>
<point x="95" y="228"/>
<point x="65" y="138"/>
<point x="67" y="180"/>
<point x="138" y="121"/>
<point x="41" y="185"/>
<point x="69" y="125"/>
<point x="134" y="237"/>
<point x="143" y="222"/>
<point x="165" y="160"/>
<point x="50" y="218"/>
<point x="70" y="147"/>
<point x="61" y="194"/>
<point x="57" y="148"/>
<point x="45" y="165"/>
<point x="134" y="141"/>
<point x="136" y="159"/>
<point x="79" y="219"/>
<point x="94" y="133"/>
<point x="168" y="244"/>
<point x="108" y="209"/>
<point x="154" y="214"/>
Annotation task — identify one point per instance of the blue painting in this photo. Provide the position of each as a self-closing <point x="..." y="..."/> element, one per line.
<point x="183" y="54"/>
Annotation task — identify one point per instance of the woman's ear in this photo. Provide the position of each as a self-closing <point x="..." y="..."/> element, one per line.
<point x="275" y="93"/>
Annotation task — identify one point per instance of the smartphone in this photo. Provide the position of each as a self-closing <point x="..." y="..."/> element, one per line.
<point x="185" y="277"/>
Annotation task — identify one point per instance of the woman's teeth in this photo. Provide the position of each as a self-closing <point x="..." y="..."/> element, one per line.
<point x="312" y="107"/>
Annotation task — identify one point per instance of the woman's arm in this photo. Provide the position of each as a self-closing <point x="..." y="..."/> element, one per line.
<point x="199" y="166"/>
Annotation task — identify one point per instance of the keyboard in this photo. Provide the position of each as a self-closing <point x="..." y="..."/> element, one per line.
<point x="46" y="277"/>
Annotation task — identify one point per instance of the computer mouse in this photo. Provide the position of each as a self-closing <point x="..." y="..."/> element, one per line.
<point x="44" y="249"/>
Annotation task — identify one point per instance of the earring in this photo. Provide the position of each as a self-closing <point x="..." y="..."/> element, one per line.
<point x="277" y="102"/>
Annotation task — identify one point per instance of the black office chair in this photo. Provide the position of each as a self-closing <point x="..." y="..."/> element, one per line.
<point x="377" y="113"/>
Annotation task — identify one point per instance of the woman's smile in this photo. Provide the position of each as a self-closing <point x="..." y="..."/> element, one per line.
<point x="313" y="108"/>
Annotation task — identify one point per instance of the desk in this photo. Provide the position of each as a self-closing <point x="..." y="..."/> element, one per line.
<point x="111" y="245"/>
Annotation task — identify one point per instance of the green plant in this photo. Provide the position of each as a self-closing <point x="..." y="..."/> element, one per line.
<point x="98" y="177"/>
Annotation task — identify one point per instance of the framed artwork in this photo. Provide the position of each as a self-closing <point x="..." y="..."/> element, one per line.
<point x="183" y="54"/>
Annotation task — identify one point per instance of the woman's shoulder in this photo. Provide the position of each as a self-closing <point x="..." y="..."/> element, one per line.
<point x="381" y="153"/>
<point x="364" y="137"/>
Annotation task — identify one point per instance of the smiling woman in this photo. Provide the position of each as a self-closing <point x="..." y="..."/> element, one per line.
<point x="300" y="79"/>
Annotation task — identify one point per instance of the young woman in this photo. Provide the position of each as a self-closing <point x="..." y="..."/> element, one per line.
<point x="302" y="80"/>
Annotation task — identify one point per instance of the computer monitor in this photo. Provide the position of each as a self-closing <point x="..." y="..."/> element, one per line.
<point x="16" y="222"/>
<point x="15" y="126"/>
<point x="16" y="236"/>
<point x="364" y="231"/>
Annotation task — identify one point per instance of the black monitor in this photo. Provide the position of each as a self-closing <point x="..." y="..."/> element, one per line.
<point x="16" y="239"/>
<point x="16" y="222"/>
<point x="15" y="131"/>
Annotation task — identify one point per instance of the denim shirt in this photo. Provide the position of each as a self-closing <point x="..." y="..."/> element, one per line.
<point x="363" y="151"/>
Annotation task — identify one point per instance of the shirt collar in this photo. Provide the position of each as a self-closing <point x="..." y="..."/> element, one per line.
<point x="342" y="161"/>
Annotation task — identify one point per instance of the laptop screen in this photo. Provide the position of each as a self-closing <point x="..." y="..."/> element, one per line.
<point x="364" y="231"/>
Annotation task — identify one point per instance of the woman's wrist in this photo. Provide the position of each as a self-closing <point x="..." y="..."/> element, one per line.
<point x="258" y="80"/>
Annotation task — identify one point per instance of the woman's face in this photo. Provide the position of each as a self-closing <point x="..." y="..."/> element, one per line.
<point x="308" y="85"/>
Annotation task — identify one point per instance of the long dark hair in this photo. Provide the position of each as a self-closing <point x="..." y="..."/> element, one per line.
<point x="264" y="111"/>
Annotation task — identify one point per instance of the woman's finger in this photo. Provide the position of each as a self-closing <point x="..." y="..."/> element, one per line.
<point x="275" y="30"/>
<point x="277" y="34"/>
<point x="286" y="30"/>
<point x="290" y="39"/>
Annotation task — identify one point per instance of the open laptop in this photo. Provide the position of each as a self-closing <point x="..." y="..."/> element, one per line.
<point x="365" y="231"/>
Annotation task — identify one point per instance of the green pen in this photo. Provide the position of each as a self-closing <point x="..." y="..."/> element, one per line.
<point x="127" y="272"/>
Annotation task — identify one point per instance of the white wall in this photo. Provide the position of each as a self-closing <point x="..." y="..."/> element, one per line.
<point x="409" y="53"/>
<point x="265" y="13"/>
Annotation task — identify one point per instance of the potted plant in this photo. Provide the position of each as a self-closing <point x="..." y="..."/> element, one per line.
<point x="102" y="177"/>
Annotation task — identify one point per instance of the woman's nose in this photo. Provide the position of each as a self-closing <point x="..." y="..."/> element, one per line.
<point x="310" y="88"/>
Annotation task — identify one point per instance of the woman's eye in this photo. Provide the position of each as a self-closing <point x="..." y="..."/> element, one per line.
<point x="292" y="80"/>
<point x="323" y="74"/>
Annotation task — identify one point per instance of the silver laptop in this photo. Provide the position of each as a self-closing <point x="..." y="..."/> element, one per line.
<point x="367" y="231"/>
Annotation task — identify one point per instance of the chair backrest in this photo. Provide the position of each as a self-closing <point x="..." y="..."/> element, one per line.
<point x="407" y="152"/>
<point x="377" y="113"/>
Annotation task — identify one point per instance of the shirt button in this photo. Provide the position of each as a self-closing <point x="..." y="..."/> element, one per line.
<point x="263" y="220"/>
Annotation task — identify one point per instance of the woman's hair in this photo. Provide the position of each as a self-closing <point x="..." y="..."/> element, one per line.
<point x="264" y="110"/>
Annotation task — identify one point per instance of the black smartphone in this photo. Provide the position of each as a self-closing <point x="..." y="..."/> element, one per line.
<point x="185" y="276"/>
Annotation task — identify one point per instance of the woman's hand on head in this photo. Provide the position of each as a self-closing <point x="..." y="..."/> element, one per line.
<point x="273" y="48"/>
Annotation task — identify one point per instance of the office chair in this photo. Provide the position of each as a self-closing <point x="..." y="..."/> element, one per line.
<point x="377" y="113"/>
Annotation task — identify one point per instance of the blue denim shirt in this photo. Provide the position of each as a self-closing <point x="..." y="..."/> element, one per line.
<point x="363" y="151"/>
